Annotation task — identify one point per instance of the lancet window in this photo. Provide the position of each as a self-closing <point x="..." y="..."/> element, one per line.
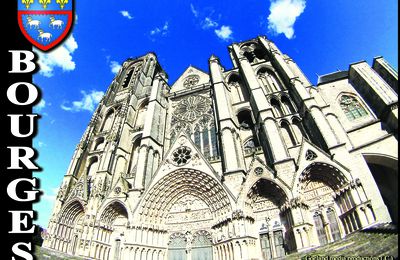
<point x="288" y="105"/>
<point x="287" y="134"/>
<point x="269" y="80"/>
<point x="127" y="79"/>
<point x="319" y="225"/>
<point x="141" y="115"/>
<point x="239" y="92"/>
<point x="108" y="122"/>
<point x="277" y="107"/>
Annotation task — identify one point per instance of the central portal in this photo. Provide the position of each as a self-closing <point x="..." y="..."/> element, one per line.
<point x="190" y="247"/>
<point x="191" y="217"/>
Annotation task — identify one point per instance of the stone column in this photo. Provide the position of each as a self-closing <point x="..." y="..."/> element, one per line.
<point x="141" y="167"/>
<point x="232" y="160"/>
<point x="261" y="106"/>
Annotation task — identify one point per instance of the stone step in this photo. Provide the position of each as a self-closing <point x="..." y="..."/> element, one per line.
<point x="380" y="240"/>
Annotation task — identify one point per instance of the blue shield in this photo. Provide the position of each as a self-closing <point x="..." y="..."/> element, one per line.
<point x="45" y="23"/>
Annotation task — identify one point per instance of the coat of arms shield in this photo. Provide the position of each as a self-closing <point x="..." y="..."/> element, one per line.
<point x="45" y="23"/>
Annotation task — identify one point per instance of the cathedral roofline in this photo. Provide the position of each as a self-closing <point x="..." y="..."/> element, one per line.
<point x="334" y="76"/>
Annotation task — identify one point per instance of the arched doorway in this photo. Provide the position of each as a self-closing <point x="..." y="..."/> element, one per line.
<point x="330" y="201"/>
<point x="177" y="247"/>
<point x="202" y="246"/>
<point x="110" y="231"/>
<point x="70" y="228"/>
<point x="385" y="171"/>
<point x="186" y="202"/>
<point x="266" y="199"/>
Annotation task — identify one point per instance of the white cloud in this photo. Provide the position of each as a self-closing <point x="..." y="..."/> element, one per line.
<point x="160" y="31"/>
<point x="115" y="66"/>
<point x="60" y="57"/>
<point x="205" y="21"/>
<point x="126" y="14"/>
<point x="39" y="107"/>
<point x="224" y="32"/>
<point x="283" y="16"/>
<point x="209" y="23"/>
<point x="41" y="144"/>
<point x="88" y="102"/>
<point x="194" y="11"/>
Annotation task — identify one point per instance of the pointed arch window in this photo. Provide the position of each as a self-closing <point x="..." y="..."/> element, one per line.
<point x="206" y="143"/>
<point x="172" y="136"/>
<point x="352" y="107"/>
<point x="275" y="85"/>
<point x="213" y="136"/>
<point x="244" y="119"/>
<point x="263" y="77"/>
<point x="287" y="134"/>
<point x="249" y="145"/>
<point x="141" y="115"/>
<point x="127" y="79"/>
<point x="239" y="92"/>
<point x="288" y="105"/>
<point x="333" y="224"/>
<point x="99" y="144"/>
<point x="134" y="157"/>
<point x="319" y="226"/>
<point x="298" y="130"/>
<point x="277" y="107"/>
<point x="108" y="121"/>
<point x="196" y="136"/>
<point x="92" y="168"/>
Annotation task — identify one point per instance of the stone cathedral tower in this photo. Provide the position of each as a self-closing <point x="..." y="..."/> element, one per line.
<point x="252" y="162"/>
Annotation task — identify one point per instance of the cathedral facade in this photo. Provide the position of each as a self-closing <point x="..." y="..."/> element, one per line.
<point x="252" y="162"/>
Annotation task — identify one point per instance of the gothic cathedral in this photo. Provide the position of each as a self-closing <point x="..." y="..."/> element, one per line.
<point x="252" y="162"/>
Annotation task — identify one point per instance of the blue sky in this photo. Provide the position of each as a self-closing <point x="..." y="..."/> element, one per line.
<point x="321" y="36"/>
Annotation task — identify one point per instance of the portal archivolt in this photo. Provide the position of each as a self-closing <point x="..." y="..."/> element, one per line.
<point x="188" y="188"/>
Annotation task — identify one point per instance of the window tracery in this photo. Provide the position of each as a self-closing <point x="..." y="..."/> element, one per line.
<point x="352" y="107"/>
<point x="193" y="115"/>
<point x="191" y="108"/>
<point x="249" y="145"/>
<point x="277" y="107"/>
<point x="191" y="81"/>
<point x="239" y="92"/>
<point x="181" y="156"/>
<point x="269" y="80"/>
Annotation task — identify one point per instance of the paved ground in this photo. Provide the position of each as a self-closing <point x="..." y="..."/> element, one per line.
<point x="380" y="240"/>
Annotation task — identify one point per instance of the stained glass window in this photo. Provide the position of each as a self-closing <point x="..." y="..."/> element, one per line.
<point x="206" y="143"/>
<point x="352" y="107"/>
<point x="214" y="141"/>
<point x="197" y="140"/>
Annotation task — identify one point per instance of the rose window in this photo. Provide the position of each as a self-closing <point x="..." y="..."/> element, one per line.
<point x="191" y="81"/>
<point x="117" y="190"/>
<point x="181" y="155"/>
<point x="258" y="170"/>
<point x="191" y="108"/>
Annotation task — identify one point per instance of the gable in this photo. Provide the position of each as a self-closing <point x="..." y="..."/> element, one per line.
<point x="189" y="79"/>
